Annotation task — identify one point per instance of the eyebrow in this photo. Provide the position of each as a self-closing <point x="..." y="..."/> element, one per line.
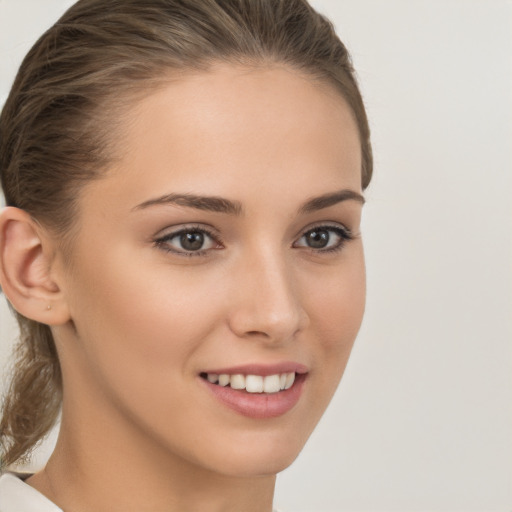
<point x="208" y="203"/>
<point x="230" y="207"/>
<point x="330" y="199"/>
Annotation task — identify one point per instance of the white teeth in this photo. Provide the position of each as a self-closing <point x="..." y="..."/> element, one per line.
<point x="290" y="379"/>
<point x="223" y="379"/>
<point x="271" y="384"/>
<point x="237" y="381"/>
<point x="254" y="383"/>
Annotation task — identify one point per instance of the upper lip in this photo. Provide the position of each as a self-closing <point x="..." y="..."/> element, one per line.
<point x="261" y="369"/>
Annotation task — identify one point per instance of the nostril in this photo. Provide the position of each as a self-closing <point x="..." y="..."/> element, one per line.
<point x="257" y="333"/>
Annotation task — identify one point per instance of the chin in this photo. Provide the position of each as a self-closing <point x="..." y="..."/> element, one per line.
<point x="258" y="465"/>
<point x="256" y="456"/>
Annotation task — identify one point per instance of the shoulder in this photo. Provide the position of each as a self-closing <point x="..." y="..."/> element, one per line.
<point x="17" y="496"/>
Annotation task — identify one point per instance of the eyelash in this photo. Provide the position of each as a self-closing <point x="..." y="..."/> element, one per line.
<point x="162" y="242"/>
<point x="344" y="234"/>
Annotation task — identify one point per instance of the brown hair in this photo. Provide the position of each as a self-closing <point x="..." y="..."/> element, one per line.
<point x="55" y="126"/>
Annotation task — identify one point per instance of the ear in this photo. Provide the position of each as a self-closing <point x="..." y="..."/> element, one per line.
<point x="27" y="277"/>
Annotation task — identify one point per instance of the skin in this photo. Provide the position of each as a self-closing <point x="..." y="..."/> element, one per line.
<point x="139" y="429"/>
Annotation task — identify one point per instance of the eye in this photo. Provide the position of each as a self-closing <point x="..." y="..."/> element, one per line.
<point x="324" y="238"/>
<point x="192" y="241"/>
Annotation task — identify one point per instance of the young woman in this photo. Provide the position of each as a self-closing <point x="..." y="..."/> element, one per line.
<point x="181" y="245"/>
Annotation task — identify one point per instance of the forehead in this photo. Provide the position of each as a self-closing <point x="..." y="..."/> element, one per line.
<point x="237" y="131"/>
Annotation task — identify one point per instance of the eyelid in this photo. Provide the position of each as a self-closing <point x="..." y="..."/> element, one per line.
<point x="326" y="225"/>
<point x="341" y="230"/>
<point x="179" y="228"/>
<point x="160" y="240"/>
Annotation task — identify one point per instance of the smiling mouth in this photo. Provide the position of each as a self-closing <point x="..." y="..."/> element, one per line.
<point x="252" y="383"/>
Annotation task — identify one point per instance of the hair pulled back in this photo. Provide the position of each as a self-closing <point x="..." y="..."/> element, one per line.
<point x="73" y="87"/>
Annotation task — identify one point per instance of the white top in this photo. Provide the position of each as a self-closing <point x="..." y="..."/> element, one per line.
<point x="17" y="496"/>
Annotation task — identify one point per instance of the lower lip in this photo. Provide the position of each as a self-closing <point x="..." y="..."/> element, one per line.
<point x="259" y="405"/>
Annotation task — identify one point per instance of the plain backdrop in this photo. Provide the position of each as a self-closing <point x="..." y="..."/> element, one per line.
<point x="423" y="418"/>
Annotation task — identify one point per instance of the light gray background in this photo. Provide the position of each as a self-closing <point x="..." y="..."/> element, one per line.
<point x="423" y="418"/>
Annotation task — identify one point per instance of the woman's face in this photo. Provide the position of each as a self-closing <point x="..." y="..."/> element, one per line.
<point x="224" y="243"/>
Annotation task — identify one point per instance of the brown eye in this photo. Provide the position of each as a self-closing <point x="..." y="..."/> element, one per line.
<point x="324" y="238"/>
<point x="188" y="242"/>
<point x="192" y="241"/>
<point x="317" y="239"/>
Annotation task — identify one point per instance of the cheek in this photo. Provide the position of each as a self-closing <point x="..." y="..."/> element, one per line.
<point x="141" y="330"/>
<point x="336" y="311"/>
<point x="337" y="306"/>
<point x="138" y="339"/>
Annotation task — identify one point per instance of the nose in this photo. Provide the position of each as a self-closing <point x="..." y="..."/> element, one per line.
<point x="266" y="302"/>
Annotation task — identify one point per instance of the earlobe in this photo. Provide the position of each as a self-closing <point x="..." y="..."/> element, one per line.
<point x="26" y="257"/>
